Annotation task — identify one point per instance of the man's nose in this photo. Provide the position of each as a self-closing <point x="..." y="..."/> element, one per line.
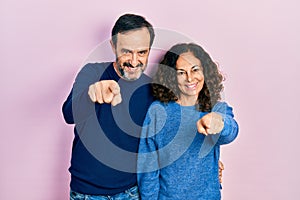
<point x="134" y="60"/>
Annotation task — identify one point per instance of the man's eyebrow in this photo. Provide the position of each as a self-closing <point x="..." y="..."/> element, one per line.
<point x="139" y="51"/>
<point x="144" y="50"/>
<point x="125" y="49"/>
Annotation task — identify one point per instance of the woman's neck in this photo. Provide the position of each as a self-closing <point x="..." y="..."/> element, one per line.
<point x="187" y="101"/>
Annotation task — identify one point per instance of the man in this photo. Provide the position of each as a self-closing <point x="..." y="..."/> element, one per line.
<point x="97" y="88"/>
<point x="108" y="104"/>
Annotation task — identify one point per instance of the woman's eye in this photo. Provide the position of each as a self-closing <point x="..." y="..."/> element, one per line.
<point x="197" y="70"/>
<point x="180" y="73"/>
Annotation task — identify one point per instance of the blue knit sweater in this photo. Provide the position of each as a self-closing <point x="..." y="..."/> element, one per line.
<point x="106" y="137"/>
<point x="175" y="161"/>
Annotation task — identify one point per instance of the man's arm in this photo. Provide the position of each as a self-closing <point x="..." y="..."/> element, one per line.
<point x="88" y="90"/>
<point x="106" y="91"/>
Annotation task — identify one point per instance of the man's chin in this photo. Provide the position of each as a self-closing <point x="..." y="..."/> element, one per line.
<point x="132" y="76"/>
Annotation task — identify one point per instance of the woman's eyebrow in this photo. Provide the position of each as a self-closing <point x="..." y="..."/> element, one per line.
<point x="196" y="66"/>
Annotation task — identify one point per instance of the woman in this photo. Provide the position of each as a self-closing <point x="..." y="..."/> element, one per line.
<point x="183" y="130"/>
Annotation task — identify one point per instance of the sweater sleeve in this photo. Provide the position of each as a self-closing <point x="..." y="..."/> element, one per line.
<point x="78" y="106"/>
<point x="231" y="128"/>
<point x="148" y="165"/>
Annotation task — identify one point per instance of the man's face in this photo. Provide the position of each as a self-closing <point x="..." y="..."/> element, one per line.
<point x="132" y="52"/>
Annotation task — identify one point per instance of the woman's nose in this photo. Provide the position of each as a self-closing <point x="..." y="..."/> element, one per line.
<point x="189" y="76"/>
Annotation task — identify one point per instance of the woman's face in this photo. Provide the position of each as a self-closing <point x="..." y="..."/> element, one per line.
<point x="190" y="77"/>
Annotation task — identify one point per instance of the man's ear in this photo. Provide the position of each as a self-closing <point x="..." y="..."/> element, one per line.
<point x="113" y="47"/>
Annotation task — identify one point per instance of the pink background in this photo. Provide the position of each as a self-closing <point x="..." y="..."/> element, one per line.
<point x="43" y="44"/>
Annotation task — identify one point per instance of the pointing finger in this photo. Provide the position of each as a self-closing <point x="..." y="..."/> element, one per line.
<point x="202" y="130"/>
<point x="114" y="88"/>
<point x="116" y="100"/>
<point x="98" y="91"/>
<point x="91" y="93"/>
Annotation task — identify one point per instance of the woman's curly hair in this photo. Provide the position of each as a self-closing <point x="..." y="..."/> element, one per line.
<point x="165" y="85"/>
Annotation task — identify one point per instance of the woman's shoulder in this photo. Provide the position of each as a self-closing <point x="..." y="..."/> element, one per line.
<point x="220" y="104"/>
<point x="163" y="104"/>
<point x="222" y="107"/>
<point x="159" y="106"/>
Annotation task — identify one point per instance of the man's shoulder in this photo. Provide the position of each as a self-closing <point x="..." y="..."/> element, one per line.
<point x="144" y="79"/>
<point x="95" y="69"/>
<point x="97" y="66"/>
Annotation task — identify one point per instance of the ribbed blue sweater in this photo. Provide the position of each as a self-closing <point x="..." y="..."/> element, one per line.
<point x="175" y="161"/>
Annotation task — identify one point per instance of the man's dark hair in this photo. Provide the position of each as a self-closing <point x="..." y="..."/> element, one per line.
<point x="129" y="22"/>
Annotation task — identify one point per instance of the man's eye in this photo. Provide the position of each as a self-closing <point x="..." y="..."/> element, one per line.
<point x="125" y="51"/>
<point x="142" y="53"/>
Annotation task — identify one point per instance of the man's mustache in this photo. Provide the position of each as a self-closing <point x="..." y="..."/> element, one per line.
<point x="127" y="64"/>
